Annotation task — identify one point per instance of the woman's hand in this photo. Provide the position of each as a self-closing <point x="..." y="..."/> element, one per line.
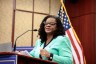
<point x="45" y="53"/>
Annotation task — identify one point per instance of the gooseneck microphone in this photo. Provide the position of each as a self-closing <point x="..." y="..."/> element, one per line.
<point x="14" y="48"/>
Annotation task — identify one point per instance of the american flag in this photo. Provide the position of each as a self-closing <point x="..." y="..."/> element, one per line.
<point x="77" y="50"/>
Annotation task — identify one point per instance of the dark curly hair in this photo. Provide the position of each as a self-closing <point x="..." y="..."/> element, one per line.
<point x="59" y="30"/>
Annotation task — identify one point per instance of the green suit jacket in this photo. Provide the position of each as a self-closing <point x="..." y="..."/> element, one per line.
<point x="60" y="47"/>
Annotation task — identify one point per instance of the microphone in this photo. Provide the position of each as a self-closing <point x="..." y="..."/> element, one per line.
<point x="20" y="36"/>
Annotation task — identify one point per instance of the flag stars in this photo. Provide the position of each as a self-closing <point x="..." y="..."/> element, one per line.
<point x="64" y="23"/>
<point x="66" y="26"/>
<point x="67" y="23"/>
<point x="64" y="19"/>
<point x="65" y="16"/>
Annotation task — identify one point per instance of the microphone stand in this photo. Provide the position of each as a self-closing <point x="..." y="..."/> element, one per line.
<point x="20" y="36"/>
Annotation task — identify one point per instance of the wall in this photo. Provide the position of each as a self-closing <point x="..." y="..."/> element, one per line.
<point x="5" y="20"/>
<point x="83" y="18"/>
<point x="28" y="15"/>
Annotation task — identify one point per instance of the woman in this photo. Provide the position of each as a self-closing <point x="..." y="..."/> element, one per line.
<point x="53" y="45"/>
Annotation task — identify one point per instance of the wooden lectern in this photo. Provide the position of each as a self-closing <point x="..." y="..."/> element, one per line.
<point x="13" y="58"/>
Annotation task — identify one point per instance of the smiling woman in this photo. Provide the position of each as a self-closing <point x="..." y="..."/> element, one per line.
<point x="53" y="45"/>
<point x="50" y="26"/>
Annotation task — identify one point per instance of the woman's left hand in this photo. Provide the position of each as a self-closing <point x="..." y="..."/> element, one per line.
<point x="45" y="53"/>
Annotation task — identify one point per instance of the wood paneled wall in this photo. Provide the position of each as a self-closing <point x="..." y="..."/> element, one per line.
<point x="83" y="18"/>
<point x="18" y="16"/>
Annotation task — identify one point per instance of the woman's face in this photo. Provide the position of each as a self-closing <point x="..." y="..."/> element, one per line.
<point x="50" y="25"/>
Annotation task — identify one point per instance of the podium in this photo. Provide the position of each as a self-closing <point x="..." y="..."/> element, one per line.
<point x="14" y="58"/>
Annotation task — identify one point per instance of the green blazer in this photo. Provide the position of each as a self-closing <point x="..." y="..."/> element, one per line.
<point x="60" y="47"/>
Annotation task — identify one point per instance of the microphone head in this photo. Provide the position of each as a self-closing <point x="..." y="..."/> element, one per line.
<point x="35" y="30"/>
